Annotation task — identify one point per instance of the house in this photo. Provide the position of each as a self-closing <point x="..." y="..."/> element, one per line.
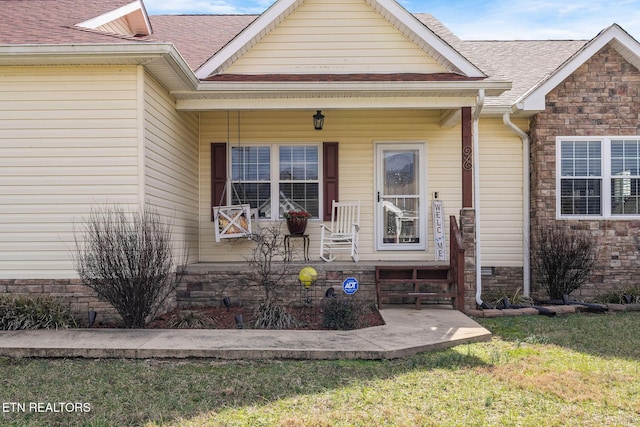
<point x="102" y="103"/>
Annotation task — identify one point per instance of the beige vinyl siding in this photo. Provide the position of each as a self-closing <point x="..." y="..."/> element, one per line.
<point x="171" y="164"/>
<point x="356" y="132"/>
<point x="501" y="194"/>
<point x="68" y="140"/>
<point x="335" y="36"/>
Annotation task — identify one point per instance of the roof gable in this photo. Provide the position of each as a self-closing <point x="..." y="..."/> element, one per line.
<point x="128" y="20"/>
<point x="384" y="29"/>
<point x="620" y="40"/>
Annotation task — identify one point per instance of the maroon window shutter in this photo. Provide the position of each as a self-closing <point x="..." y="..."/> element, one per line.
<point x="330" y="177"/>
<point x="218" y="173"/>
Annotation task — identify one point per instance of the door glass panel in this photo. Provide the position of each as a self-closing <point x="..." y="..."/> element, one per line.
<point x="400" y="197"/>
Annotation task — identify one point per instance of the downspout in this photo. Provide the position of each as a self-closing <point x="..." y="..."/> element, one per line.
<point x="526" y="220"/>
<point x="476" y="192"/>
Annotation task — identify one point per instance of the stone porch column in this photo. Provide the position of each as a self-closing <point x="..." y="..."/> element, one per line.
<point x="468" y="230"/>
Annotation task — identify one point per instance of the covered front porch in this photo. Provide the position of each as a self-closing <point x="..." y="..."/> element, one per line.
<point x="396" y="163"/>
<point x="383" y="283"/>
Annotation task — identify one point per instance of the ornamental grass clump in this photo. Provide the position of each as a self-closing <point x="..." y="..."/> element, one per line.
<point x="19" y="312"/>
<point x="191" y="319"/>
<point x="271" y="315"/>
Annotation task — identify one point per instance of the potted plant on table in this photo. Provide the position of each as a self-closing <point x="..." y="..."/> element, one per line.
<point x="297" y="221"/>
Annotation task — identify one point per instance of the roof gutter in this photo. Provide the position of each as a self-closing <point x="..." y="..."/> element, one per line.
<point x="476" y="192"/>
<point x="526" y="221"/>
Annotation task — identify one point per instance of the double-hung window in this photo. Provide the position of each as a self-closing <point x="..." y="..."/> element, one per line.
<point x="598" y="177"/>
<point x="276" y="178"/>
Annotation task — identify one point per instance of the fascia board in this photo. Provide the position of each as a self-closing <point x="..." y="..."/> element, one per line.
<point x="534" y="100"/>
<point x="315" y="103"/>
<point x="91" y="54"/>
<point x="429" y="37"/>
<point x="492" y="88"/>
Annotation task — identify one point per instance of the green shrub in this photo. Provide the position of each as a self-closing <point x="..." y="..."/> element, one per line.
<point x="343" y="313"/>
<point x="33" y="312"/>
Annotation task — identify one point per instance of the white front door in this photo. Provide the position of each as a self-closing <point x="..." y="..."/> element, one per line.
<point x="401" y="208"/>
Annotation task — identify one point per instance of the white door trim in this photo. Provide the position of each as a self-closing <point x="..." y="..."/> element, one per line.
<point x="384" y="240"/>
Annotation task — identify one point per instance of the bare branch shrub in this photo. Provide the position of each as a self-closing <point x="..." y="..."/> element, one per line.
<point x="271" y="266"/>
<point x="268" y="260"/>
<point x="128" y="260"/>
<point x="563" y="259"/>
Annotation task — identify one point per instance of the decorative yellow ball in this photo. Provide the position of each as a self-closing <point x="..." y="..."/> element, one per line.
<point x="308" y="276"/>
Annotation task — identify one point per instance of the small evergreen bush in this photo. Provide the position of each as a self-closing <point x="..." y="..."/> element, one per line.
<point x="33" y="312"/>
<point x="343" y="313"/>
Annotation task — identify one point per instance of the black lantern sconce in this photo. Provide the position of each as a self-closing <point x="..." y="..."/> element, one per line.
<point x="318" y="120"/>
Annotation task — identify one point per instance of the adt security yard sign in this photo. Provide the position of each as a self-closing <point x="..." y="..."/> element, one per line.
<point x="350" y="285"/>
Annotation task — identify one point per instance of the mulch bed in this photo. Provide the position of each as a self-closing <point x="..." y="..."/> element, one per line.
<point x="308" y="318"/>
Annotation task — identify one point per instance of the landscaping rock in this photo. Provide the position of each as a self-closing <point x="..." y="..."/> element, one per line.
<point x="475" y="313"/>
<point x="562" y="309"/>
<point x="491" y="313"/>
<point x="513" y="312"/>
<point x="617" y="307"/>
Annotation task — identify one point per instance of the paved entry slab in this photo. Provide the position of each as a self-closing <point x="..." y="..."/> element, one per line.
<point x="406" y="332"/>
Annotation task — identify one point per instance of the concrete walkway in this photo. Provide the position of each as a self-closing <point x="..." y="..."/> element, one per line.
<point x="406" y="332"/>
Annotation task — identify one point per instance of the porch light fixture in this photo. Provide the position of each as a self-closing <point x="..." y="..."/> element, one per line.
<point x="318" y="120"/>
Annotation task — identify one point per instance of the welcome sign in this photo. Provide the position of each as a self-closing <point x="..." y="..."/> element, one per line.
<point x="438" y="231"/>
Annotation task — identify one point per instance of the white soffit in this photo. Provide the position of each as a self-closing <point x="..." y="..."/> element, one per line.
<point x="620" y="40"/>
<point x="390" y="10"/>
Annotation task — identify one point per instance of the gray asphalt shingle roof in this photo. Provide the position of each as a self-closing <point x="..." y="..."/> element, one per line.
<point x="523" y="62"/>
<point x="198" y="37"/>
<point x="52" y="21"/>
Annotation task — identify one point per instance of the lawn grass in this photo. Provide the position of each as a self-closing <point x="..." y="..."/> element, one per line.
<point x="578" y="370"/>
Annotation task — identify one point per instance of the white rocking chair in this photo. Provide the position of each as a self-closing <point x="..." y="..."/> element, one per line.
<point x="343" y="233"/>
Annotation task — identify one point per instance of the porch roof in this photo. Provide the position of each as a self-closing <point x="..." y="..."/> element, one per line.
<point x="338" y="91"/>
